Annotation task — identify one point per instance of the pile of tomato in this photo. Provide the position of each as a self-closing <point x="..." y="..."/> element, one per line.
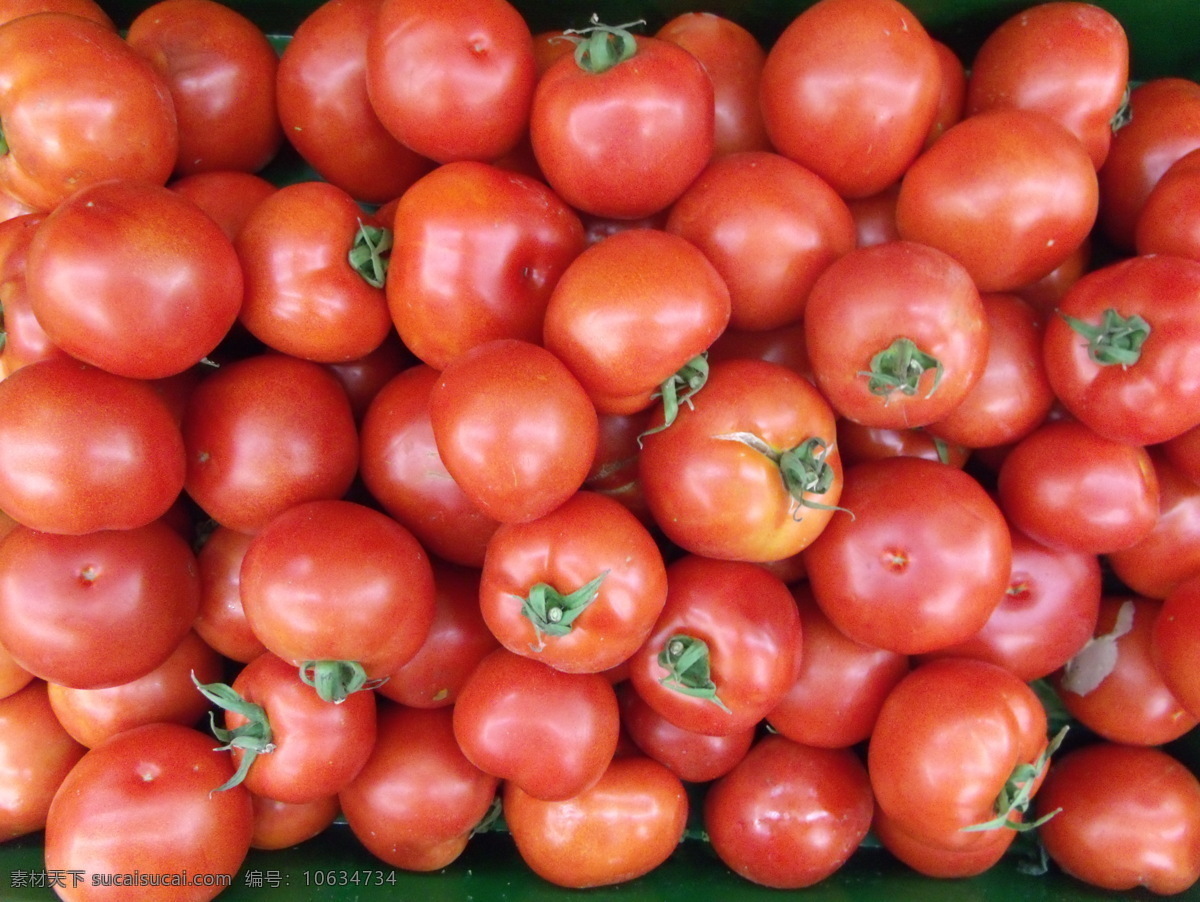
<point x="612" y="429"/>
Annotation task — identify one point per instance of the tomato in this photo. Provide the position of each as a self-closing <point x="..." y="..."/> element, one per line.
<point x="850" y="90"/>
<point x="98" y="609"/>
<point x="1183" y="453"/>
<point x="1175" y="641"/>
<point x="1069" y="60"/>
<point x="221" y="620"/>
<point x="615" y="469"/>
<point x="875" y="216"/>
<point x="897" y="334"/>
<point x="1127" y="817"/>
<point x="514" y="714"/>
<point x="733" y="59"/>
<point x="24" y="338"/>
<point x="1005" y="178"/>
<point x="322" y="97"/>
<point x="788" y="815"/>
<point x="859" y="443"/>
<point x="622" y="127"/>
<point x="165" y="694"/>
<point x="1047" y="292"/>
<point x="770" y="227"/>
<point x="79" y="107"/>
<point x="1113" y="686"/>
<point x="449" y="81"/>
<point x="281" y="825"/>
<point x="142" y="804"/>
<point x="750" y="468"/>
<point x="14" y="9"/>
<point x="264" y="433"/>
<point x="724" y="650"/>
<point x="840" y="686"/>
<point x="923" y="562"/>
<point x="514" y="428"/>
<point x="941" y="861"/>
<point x="82" y="449"/>
<point x="1048" y="612"/>
<point x="314" y="266"/>
<point x="319" y="580"/>
<point x="363" y="377"/>
<point x="654" y="299"/>
<point x="13" y="677"/>
<point x="784" y="346"/>
<point x="227" y="195"/>
<point x="1122" y="354"/>
<point x="621" y="828"/>
<point x="220" y="69"/>
<point x="952" y="95"/>
<point x="476" y="253"/>
<point x="36" y="754"/>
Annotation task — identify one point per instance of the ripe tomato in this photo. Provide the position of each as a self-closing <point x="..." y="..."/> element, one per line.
<point x="13" y="677"/>
<point x="615" y="470"/>
<point x="621" y="828"/>
<point x="896" y="333"/>
<point x="142" y="803"/>
<point x="476" y="252"/>
<point x="226" y="195"/>
<point x="220" y="69"/>
<point x="14" y="9"/>
<point x="221" y="620"/>
<point x="621" y="127"/>
<point x="750" y="468"/>
<point x="281" y="825"/>
<point x="922" y="563"/>
<point x="321" y="580"/>
<point x="24" y="338"/>
<point x="79" y="107"/>
<point x="952" y="96"/>
<point x="1167" y="223"/>
<point x="363" y="377"/>
<point x="724" y="650"/>
<point x="860" y="443"/>
<point x="1175" y="643"/>
<point x="451" y="81"/>
<point x="789" y="815"/>
<point x="1127" y="817"/>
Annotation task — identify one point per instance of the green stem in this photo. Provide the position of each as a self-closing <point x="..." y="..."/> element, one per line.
<point x="335" y="680"/>
<point x="553" y="613"/>
<point x="679" y="389"/>
<point x="689" y="670"/>
<point x="805" y="469"/>
<point x="1017" y="794"/>
<point x="253" y="737"/>
<point x="1117" y="340"/>
<point x="3" y="141"/>
<point x="899" y="367"/>
<point x="367" y="255"/>
<point x="600" y="47"/>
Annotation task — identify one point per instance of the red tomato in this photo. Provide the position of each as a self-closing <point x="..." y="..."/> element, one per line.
<point x="319" y="580"/>
<point x="363" y="377"/>
<point x="221" y="621"/>
<point x="264" y="433"/>
<point x="1047" y="292"/>
<point x="14" y="9"/>
<point x="281" y="825"/>
<point x="24" y="338"/>
<point x="952" y="96"/>
<point x="1183" y="453"/>
<point x="322" y="98"/>
<point x="314" y="266"/>
<point x="922" y="563"/>
<point x="724" y="650"/>
<point x="784" y="346"/>
<point x="770" y="227"/>
<point x="1127" y="817"/>
<point x="1123" y="355"/>
<point x="621" y="828"/>
<point x="615" y="469"/>
<point x="654" y="298"/>
<point x="82" y="449"/>
<point x="896" y="333"/>
<point x="417" y="800"/>
<point x="36" y="754"/>
<point x="859" y="443"/>
<point x="79" y="107"/>
<point x="934" y="860"/>
<point x="220" y="69"/>
<point x="451" y="81"/>
<point x="875" y="216"/>
<point x="514" y="428"/>
<point x="1005" y="178"/>
<point x="1067" y="59"/>
<point x="850" y="90"/>
<point x="750" y="468"/>
<point x="143" y="803"/>
<point x="13" y="677"/>
<point x="226" y="195"/>
<point x="476" y="253"/>
<point x="1168" y="223"/>
<point x="1175" y="644"/>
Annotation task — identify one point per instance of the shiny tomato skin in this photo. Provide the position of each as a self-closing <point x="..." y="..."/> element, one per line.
<point x="1167" y="223"/>
<point x="621" y="828"/>
<point x="82" y="449"/>
<point x="1175" y="644"/>
<point x="364" y="376"/>
<point x="220" y="68"/>
<point x="280" y="825"/>
<point x="850" y="90"/>
<point x="789" y="815"/>
<point x="143" y="802"/>
<point x="449" y="81"/>
<point x="79" y="107"/>
<point x="952" y="96"/>
<point x="226" y="195"/>
<point x="88" y="9"/>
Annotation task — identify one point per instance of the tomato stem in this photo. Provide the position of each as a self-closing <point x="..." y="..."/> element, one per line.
<point x="1117" y="340"/>
<point x="1124" y="114"/>
<point x="805" y="469"/>
<point x="367" y="255"/>
<point x="3" y="141"/>
<point x="689" y="670"/>
<point x="253" y="737"/>
<point x="553" y="613"/>
<point x="600" y="47"/>
<point x="899" y="367"/>
<point x="1017" y="794"/>
<point x="679" y="389"/>
<point x="335" y="680"/>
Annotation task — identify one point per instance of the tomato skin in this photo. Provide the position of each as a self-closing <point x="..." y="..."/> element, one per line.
<point x="952" y="96"/>
<point x="220" y="69"/>
<point x="221" y="620"/>
<point x="515" y="713"/>
<point x="24" y="338"/>
<point x="1130" y="817"/>
<point x="13" y="677"/>
<point x="14" y="9"/>
<point x="476" y="252"/>
<point x="941" y="861"/>
<point x="626" y="141"/>
<point x="621" y="828"/>
<point x="905" y="508"/>
<point x="364" y="376"/>
<point x="143" y="802"/>
<point x="79" y="107"/>
<point x="451" y="82"/>
<point x="226" y="195"/>
<point x="1175" y="643"/>
<point x="280" y="825"/>
<point x="860" y="443"/>
<point x="850" y="90"/>
<point x="116" y="459"/>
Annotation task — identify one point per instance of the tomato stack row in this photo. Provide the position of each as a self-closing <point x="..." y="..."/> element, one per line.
<point x="606" y="420"/>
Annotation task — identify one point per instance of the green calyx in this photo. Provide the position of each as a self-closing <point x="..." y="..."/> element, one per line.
<point x="253" y="737"/>
<point x="1017" y="795"/>
<point x="3" y="142"/>
<point x="1117" y="340"/>
<point x="368" y="255"/>
<point x="552" y="613"/>
<point x="805" y="469"/>
<point x="899" y="367"/>
<point x="335" y="680"/>
<point x="679" y="389"/>
<point x="600" y="47"/>
<point x="689" y="671"/>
